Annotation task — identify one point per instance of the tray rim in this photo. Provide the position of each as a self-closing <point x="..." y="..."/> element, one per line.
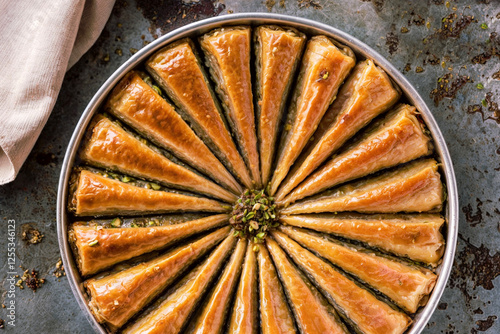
<point x="308" y="26"/>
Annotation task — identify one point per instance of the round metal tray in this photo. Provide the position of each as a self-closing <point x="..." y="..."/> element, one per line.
<point x="309" y="27"/>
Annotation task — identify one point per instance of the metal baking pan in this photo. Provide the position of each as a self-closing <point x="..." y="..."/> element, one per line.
<point x="309" y="27"/>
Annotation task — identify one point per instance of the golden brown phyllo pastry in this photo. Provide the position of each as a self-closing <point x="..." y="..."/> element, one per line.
<point x="96" y="194"/>
<point x="212" y="317"/>
<point x="416" y="187"/>
<point x="366" y="94"/>
<point x="179" y="72"/>
<point x="325" y="65"/>
<point x="99" y="248"/>
<point x="407" y="285"/>
<point x="115" y="298"/>
<point x="245" y="317"/>
<point x="172" y="314"/>
<point x="227" y="53"/>
<point x="396" y="139"/>
<point x="110" y="146"/>
<point x="417" y="237"/>
<point x="313" y="314"/>
<point x="272" y="197"/>
<point x="358" y="306"/>
<point x="138" y="104"/>
<point x="275" y="313"/>
<point x="278" y="53"/>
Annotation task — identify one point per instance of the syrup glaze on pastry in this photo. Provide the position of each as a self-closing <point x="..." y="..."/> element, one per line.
<point x="271" y="197"/>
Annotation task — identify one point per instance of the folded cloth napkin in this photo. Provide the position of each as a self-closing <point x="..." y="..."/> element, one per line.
<point x="40" y="40"/>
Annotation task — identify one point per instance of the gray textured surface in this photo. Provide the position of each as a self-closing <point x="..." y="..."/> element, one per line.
<point x="471" y="302"/>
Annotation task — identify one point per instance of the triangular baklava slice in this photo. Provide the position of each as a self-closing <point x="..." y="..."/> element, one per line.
<point x="137" y="102"/>
<point x="278" y="52"/>
<point x="406" y="285"/>
<point x="358" y="306"/>
<point x="109" y="146"/>
<point x="180" y="73"/>
<point x="115" y="298"/>
<point x="396" y="139"/>
<point x="245" y="314"/>
<point x="366" y="94"/>
<point x="212" y="316"/>
<point x="325" y="65"/>
<point x="417" y="237"/>
<point x="171" y="315"/>
<point x="96" y="194"/>
<point x="97" y="248"/>
<point x="275" y="314"/>
<point x="416" y="187"/>
<point x="313" y="313"/>
<point x="227" y="53"/>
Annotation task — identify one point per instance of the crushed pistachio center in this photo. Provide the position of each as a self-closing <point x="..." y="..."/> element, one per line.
<point x="254" y="215"/>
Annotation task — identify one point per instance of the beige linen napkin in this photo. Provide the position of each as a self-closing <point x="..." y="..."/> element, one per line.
<point x="39" y="41"/>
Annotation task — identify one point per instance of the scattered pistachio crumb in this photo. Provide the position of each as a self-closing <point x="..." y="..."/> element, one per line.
<point x="323" y="75"/>
<point x="117" y="222"/>
<point x="158" y="90"/>
<point x="479" y="86"/>
<point x="93" y="242"/>
<point x="155" y="186"/>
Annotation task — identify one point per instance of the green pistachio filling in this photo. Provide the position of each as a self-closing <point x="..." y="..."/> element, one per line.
<point x="254" y="215"/>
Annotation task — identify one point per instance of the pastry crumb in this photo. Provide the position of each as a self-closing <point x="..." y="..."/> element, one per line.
<point x="59" y="269"/>
<point x="31" y="280"/>
<point x="31" y="235"/>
